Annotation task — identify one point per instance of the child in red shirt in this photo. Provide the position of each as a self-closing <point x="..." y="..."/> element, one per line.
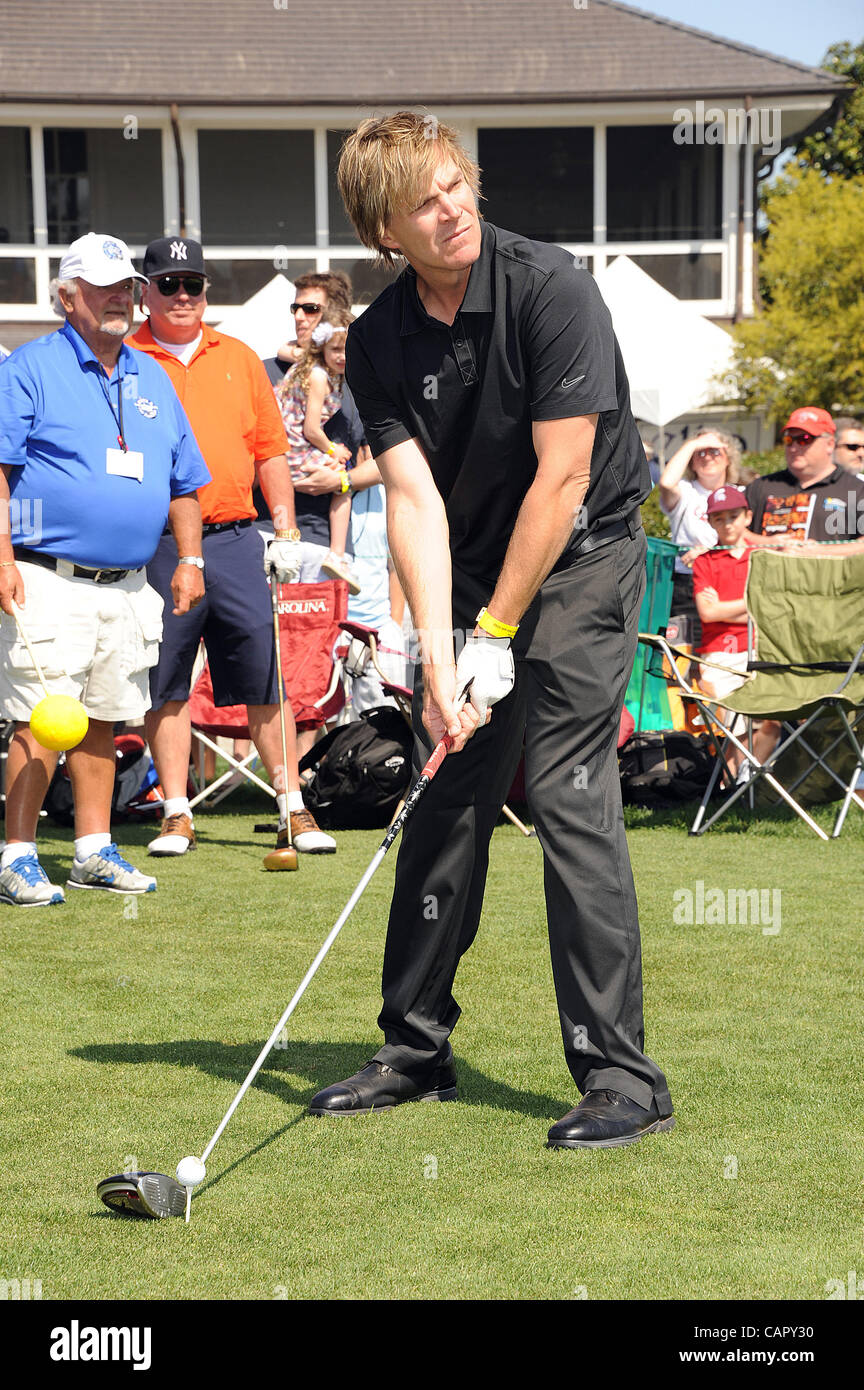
<point x="719" y="585"/>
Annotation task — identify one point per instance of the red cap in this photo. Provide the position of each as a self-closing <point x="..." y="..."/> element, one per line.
<point x="812" y="419"/>
<point x="727" y="499"/>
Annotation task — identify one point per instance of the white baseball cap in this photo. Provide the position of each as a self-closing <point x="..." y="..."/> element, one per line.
<point x="100" y="260"/>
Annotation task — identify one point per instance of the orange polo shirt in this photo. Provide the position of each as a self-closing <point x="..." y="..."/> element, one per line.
<point x="233" y="413"/>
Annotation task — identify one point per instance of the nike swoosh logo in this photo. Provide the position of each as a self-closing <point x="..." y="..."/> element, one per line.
<point x="574" y="381"/>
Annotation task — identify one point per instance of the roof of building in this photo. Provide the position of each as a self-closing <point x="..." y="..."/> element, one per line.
<point x="374" y="53"/>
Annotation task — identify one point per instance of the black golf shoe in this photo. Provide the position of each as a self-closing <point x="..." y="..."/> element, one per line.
<point x="606" y="1119"/>
<point x="376" y="1087"/>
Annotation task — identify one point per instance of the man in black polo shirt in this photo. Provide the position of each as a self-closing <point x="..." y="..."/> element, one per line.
<point x="812" y="499"/>
<point x="494" y="399"/>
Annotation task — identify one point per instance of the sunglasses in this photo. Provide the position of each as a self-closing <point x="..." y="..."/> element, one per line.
<point x="308" y="308"/>
<point x="710" y="453"/>
<point x="850" y="446"/>
<point x="800" y="437"/>
<point x="170" y="284"/>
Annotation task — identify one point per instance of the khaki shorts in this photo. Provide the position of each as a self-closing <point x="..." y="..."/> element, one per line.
<point x="720" y="683"/>
<point x="95" y="642"/>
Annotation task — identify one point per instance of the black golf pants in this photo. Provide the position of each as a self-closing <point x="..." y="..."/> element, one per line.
<point x="574" y="653"/>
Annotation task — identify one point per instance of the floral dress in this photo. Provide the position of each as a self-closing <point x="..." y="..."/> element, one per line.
<point x="292" y="403"/>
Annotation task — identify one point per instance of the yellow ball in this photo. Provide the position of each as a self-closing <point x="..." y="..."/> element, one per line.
<point x="59" y="722"/>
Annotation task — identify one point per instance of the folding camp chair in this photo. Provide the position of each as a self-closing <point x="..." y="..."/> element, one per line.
<point x="805" y="671"/>
<point x="309" y="619"/>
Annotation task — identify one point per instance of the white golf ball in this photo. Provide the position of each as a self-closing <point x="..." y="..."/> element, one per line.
<point x="190" y="1171"/>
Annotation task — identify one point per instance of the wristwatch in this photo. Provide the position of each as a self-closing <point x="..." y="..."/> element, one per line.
<point x="291" y="534"/>
<point x="195" y="560"/>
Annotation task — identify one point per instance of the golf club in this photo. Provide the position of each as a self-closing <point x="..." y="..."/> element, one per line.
<point x="283" y="860"/>
<point x="155" y="1194"/>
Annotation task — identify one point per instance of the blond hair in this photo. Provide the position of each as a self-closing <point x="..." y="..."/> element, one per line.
<point x="385" y="167"/>
<point x="313" y="356"/>
<point x="733" y="458"/>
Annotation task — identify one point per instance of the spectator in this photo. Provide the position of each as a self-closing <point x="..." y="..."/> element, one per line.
<point x="314" y="293"/>
<point x="812" y="498"/>
<point x="309" y="396"/>
<point x="702" y="463"/>
<point x="849" y="445"/>
<point x="94" y="431"/>
<point x="237" y="423"/>
<point x="719" y="584"/>
<point x="380" y="595"/>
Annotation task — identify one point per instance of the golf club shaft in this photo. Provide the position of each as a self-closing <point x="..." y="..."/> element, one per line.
<point x="432" y="765"/>
<point x="36" y="665"/>
<point x="274" y="600"/>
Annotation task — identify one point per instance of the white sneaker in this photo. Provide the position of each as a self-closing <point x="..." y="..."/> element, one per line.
<point x="108" y="870"/>
<point x="339" y="567"/>
<point x="24" y="883"/>
<point x="745" y="775"/>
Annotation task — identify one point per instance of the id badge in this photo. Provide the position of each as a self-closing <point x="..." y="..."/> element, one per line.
<point x="125" y="463"/>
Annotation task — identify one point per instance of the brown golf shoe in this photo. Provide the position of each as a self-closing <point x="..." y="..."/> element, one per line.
<point x="176" y="837"/>
<point x="305" y="835"/>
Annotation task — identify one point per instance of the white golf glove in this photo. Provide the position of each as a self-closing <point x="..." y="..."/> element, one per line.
<point x="487" y="662"/>
<point x="284" y="558"/>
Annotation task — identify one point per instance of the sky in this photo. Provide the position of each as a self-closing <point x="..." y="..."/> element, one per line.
<point x="799" y="29"/>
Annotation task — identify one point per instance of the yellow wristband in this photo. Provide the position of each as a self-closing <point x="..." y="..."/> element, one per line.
<point x="491" y="625"/>
<point x="346" y="481"/>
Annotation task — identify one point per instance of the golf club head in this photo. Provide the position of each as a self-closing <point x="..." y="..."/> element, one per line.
<point x="143" y="1194"/>
<point x="282" y="860"/>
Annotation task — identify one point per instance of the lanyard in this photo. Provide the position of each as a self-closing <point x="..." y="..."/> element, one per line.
<point x="117" y="415"/>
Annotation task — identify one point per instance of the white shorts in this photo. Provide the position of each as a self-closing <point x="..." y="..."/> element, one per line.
<point x="95" y="642"/>
<point x="718" y="684"/>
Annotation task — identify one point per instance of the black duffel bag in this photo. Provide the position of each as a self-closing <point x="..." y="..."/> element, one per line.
<point x="663" y="767"/>
<point x="360" y="771"/>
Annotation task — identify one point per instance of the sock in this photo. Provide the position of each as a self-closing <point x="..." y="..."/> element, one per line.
<point x="177" y="806"/>
<point x="85" y="845"/>
<point x="14" y="850"/>
<point x="295" y="801"/>
<point x="282" y="808"/>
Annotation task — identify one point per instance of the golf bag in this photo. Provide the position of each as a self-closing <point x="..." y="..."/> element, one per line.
<point x="663" y="767"/>
<point x="360" y="771"/>
<point x="136" y="795"/>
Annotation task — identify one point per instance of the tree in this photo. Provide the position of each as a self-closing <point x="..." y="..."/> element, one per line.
<point x="839" y="150"/>
<point x="807" y="345"/>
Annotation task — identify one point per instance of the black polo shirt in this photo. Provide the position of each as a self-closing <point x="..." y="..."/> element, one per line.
<point x="532" y="340"/>
<point x="830" y="510"/>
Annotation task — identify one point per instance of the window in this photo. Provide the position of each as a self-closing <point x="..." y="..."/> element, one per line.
<point x="539" y="181"/>
<point x="16" y="209"/>
<point x="660" y="191"/>
<point x="691" y="276"/>
<point x="98" y="181"/>
<point x="367" y="279"/>
<point x="341" y="231"/>
<point x="17" y="280"/>
<point x="257" y="187"/>
<point x="234" y="281"/>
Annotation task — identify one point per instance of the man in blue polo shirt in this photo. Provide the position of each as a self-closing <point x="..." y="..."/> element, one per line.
<point x="96" y="454"/>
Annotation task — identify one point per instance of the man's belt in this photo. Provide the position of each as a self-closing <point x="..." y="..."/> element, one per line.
<point x="50" y="562"/>
<point x="212" y="528"/>
<point x="626" y="526"/>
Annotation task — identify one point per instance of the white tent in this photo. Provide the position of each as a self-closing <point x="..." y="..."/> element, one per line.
<point x="671" y="353"/>
<point x="265" y="321"/>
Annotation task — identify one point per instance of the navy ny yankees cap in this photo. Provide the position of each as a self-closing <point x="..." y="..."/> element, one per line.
<point x="173" y="256"/>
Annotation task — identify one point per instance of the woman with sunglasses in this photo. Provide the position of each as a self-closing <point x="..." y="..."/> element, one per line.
<point x="701" y="465"/>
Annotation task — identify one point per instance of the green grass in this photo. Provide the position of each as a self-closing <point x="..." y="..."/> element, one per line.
<point x="124" y="1038"/>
